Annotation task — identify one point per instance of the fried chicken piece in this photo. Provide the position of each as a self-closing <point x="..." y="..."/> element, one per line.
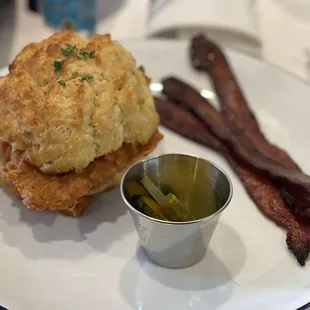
<point x="68" y="192"/>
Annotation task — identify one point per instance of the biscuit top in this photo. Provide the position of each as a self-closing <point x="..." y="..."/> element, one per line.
<point x="68" y="100"/>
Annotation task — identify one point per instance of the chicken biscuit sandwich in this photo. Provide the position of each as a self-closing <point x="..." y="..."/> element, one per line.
<point x="75" y="113"/>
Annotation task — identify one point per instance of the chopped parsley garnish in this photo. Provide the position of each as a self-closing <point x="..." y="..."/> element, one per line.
<point x="58" y="65"/>
<point x="80" y="53"/>
<point x="87" y="77"/>
<point x="83" y="54"/>
<point x="62" y="83"/>
<point x="70" y="50"/>
<point x="65" y="52"/>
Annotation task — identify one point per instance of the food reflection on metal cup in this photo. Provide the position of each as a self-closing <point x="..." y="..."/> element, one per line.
<point x="204" y="188"/>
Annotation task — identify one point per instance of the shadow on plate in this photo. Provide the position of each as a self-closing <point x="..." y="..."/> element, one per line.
<point x="51" y="235"/>
<point x="206" y="285"/>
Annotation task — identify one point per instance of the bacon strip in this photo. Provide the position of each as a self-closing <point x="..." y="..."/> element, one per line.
<point x="261" y="190"/>
<point x="207" y="56"/>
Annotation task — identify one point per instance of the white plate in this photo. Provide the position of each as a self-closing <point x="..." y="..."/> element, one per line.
<point x="50" y="262"/>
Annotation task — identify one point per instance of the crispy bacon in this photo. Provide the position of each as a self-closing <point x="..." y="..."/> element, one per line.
<point x="208" y="57"/>
<point x="261" y="190"/>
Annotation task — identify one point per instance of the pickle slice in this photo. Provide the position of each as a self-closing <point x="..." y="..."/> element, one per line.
<point x="156" y="193"/>
<point x="183" y="213"/>
<point x="134" y="190"/>
<point x="151" y="208"/>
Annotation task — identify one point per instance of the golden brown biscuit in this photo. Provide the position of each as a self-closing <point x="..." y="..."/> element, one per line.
<point x="69" y="100"/>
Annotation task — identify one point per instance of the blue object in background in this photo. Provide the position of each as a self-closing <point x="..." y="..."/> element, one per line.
<point x="79" y="15"/>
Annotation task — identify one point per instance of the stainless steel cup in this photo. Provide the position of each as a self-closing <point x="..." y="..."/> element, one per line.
<point x="199" y="184"/>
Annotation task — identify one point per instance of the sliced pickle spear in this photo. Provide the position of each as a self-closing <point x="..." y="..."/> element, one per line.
<point x="135" y="189"/>
<point x="183" y="213"/>
<point x="156" y="193"/>
<point x="151" y="208"/>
